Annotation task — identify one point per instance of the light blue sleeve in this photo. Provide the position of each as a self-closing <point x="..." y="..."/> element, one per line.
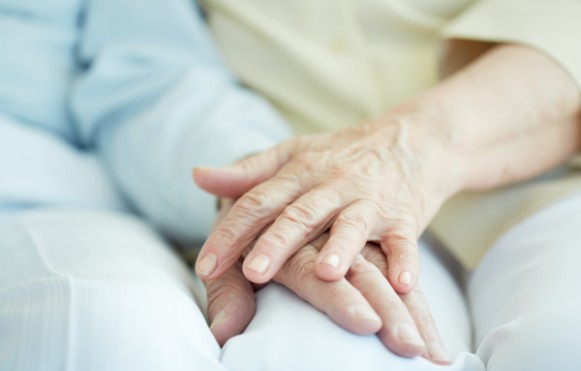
<point x="155" y="100"/>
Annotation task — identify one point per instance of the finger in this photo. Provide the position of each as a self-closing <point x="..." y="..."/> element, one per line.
<point x="348" y="236"/>
<point x="299" y="223"/>
<point x="399" y="332"/>
<point x="400" y="244"/>
<point x="231" y="304"/>
<point x="339" y="300"/>
<point x="417" y="307"/>
<point x="420" y="312"/>
<point x="225" y="206"/>
<point x="234" y="180"/>
<point x="247" y="217"/>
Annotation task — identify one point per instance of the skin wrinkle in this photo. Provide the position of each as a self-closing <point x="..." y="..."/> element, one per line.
<point x="481" y="128"/>
<point x="416" y="160"/>
<point x="298" y="275"/>
<point x="306" y="232"/>
<point x="345" y="161"/>
<point x="354" y="221"/>
<point x="256" y="205"/>
<point x="323" y="193"/>
<point x="298" y="270"/>
<point x="302" y="215"/>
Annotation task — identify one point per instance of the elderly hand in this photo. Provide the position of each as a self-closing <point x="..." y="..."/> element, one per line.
<point x="403" y="322"/>
<point x="380" y="181"/>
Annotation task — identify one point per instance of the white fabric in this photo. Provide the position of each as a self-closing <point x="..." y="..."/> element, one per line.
<point x="99" y="290"/>
<point x="109" y="104"/>
<point x="524" y="295"/>
<point x="83" y="290"/>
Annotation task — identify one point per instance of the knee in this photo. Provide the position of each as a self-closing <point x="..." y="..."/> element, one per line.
<point x="106" y="325"/>
<point x="145" y="326"/>
<point x="538" y="342"/>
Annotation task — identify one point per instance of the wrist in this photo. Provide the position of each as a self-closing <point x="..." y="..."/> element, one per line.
<point x="425" y="127"/>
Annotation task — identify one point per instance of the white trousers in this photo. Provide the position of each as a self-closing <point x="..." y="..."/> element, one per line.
<point x="92" y="291"/>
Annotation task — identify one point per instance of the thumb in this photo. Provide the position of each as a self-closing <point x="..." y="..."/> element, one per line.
<point x="234" y="180"/>
<point x="231" y="304"/>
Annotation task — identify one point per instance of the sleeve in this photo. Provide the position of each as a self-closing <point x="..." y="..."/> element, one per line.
<point x="550" y="26"/>
<point x="154" y="99"/>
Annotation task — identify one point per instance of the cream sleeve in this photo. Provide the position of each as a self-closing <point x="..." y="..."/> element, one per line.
<point x="550" y="26"/>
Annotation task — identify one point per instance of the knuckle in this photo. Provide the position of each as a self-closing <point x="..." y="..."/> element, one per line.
<point x="275" y="240"/>
<point x="228" y="234"/>
<point x="401" y="240"/>
<point x="248" y="165"/>
<point x="300" y="166"/>
<point x="362" y="271"/>
<point x="222" y="292"/>
<point x="356" y="222"/>
<point x="300" y="269"/>
<point x="341" y="171"/>
<point x="303" y="271"/>
<point x="302" y="215"/>
<point x="255" y="204"/>
<point x="307" y="159"/>
<point x="351" y="172"/>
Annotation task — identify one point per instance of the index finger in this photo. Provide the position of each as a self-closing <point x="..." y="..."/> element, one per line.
<point x="245" y="220"/>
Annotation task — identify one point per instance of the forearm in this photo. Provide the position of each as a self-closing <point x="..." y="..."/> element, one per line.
<point x="508" y="116"/>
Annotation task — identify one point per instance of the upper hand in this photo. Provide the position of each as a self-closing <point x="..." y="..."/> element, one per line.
<point x="379" y="182"/>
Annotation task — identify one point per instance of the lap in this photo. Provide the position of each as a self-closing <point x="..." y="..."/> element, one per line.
<point x="524" y="306"/>
<point x="102" y="290"/>
<point x="289" y="334"/>
<point x="93" y="291"/>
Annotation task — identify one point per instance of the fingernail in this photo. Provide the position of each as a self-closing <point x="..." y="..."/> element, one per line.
<point x="207" y="265"/>
<point x="259" y="264"/>
<point x="332" y="260"/>
<point x="437" y="352"/>
<point x="407" y="334"/>
<point x="202" y="168"/>
<point x="219" y="318"/>
<point x="363" y="313"/>
<point x="215" y="168"/>
<point x="405" y="278"/>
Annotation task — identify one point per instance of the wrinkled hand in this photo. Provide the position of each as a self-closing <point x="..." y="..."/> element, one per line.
<point x="373" y="182"/>
<point x="363" y="302"/>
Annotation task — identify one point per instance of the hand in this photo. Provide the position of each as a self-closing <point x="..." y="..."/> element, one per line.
<point x="373" y="182"/>
<point x="231" y="302"/>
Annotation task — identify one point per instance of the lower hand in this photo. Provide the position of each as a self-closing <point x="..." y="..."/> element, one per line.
<point x="363" y="302"/>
